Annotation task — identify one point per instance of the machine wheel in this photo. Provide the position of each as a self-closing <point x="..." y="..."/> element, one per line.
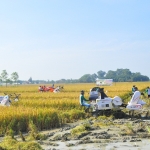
<point x="107" y="113"/>
<point x="131" y="113"/>
<point x="95" y="113"/>
<point x="147" y="115"/>
<point x="119" y="114"/>
<point x="101" y="113"/>
<point x="87" y="110"/>
<point x="122" y="114"/>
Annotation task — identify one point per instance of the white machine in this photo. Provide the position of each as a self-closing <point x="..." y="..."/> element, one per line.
<point x="5" y="100"/>
<point x="108" y="103"/>
<point x="101" y="102"/>
<point x="135" y="106"/>
<point x="136" y="103"/>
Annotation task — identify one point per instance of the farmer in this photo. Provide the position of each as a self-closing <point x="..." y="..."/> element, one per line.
<point x="53" y="86"/>
<point x="40" y="89"/>
<point x="148" y="92"/>
<point x="133" y="89"/>
<point x="82" y="101"/>
<point x="136" y="89"/>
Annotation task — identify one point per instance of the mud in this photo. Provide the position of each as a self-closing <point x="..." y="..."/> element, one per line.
<point x="101" y="134"/>
<point x="110" y="137"/>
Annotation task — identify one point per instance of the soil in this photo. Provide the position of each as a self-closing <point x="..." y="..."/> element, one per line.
<point x="118" y="135"/>
<point x="102" y="133"/>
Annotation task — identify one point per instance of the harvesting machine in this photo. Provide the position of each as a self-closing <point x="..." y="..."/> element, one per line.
<point x="104" y="105"/>
<point x="5" y="100"/>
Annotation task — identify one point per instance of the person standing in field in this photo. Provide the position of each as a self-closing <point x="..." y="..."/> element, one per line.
<point x="133" y="89"/>
<point x="40" y="89"/>
<point x="148" y="92"/>
<point x="53" y="86"/>
<point x="83" y="100"/>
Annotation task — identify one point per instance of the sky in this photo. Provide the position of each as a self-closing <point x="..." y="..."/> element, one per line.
<point x="66" y="39"/>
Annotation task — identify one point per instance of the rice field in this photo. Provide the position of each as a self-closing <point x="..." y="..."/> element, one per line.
<point x="50" y="110"/>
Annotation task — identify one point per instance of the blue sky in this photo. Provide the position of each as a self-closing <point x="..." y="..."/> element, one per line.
<point x="65" y="39"/>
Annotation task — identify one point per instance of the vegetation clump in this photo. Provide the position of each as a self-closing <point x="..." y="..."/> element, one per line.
<point x="10" y="143"/>
<point x="81" y="129"/>
<point x="29" y="143"/>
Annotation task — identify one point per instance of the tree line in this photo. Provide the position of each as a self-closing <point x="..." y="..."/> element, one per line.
<point x="5" y="78"/>
<point x="120" y="75"/>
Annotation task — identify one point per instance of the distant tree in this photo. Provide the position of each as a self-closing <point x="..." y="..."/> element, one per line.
<point x="94" y="77"/>
<point x="125" y="75"/>
<point x="9" y="81"/>
<point x="15" y="76"/>
<point x="61" y="81"/>
<point x="30" y="80"/>
<point x="20" y="81"/>
<point x="4" y="76"/>
<point x="101" y="74"/>
<point x="138" y="77"/>
<point x="87" y="78"/>
<point x="52" y="81"/>
<point x="111" y="75"/>
<point x="144" y="78"/>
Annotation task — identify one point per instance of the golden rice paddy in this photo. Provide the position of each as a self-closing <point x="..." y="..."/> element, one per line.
<point x="49" y="110"/>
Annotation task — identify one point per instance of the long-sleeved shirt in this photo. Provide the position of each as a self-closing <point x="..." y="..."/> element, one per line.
<point x="133" y="89"/>
<point x="148" y="91"/>
<point x="82" y="99"/>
